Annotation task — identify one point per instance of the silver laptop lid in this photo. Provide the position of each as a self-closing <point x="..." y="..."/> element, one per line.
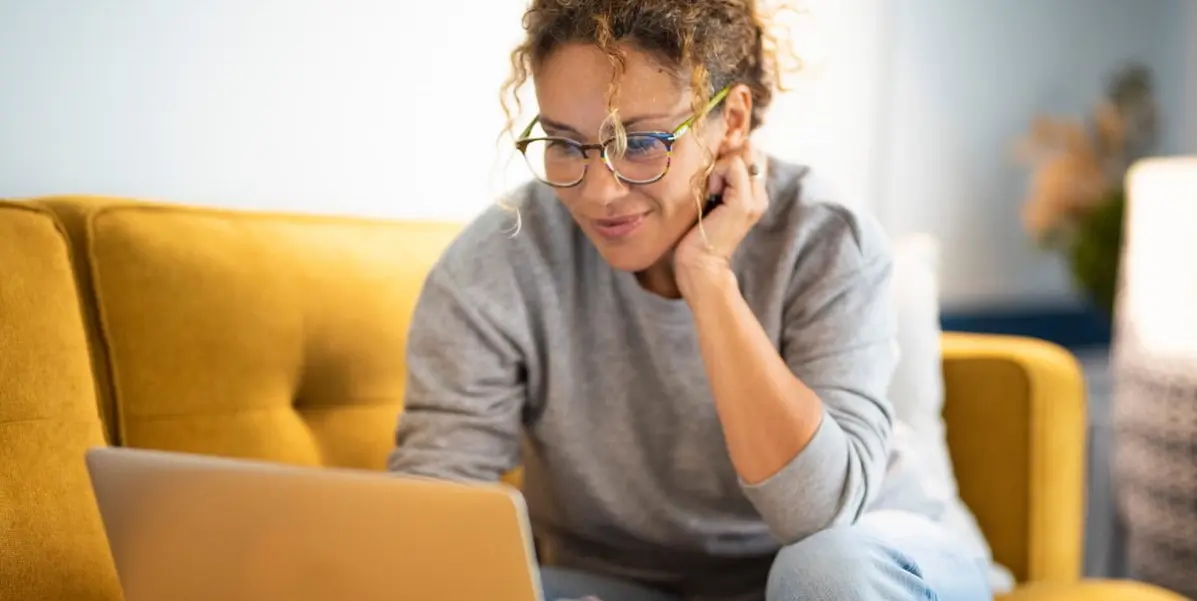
<point x="186" y="527"/>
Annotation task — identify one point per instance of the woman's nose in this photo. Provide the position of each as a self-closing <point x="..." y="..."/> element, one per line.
<point x="600" y="184"/>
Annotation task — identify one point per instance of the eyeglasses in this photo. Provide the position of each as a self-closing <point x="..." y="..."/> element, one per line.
<point x="645" y="158"/>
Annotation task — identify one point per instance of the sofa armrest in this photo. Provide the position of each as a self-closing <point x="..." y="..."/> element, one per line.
<point x="1015" y="417"/>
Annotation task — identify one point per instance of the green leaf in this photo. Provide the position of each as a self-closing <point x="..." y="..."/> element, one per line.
<point x="1097" y="250"/>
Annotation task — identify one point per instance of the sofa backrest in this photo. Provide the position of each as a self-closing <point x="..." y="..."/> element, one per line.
<point x="52" y="543"/>
<point x="281" y="337"/>
<point x="239" y="334"/>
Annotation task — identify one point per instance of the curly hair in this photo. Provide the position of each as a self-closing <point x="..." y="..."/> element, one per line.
<point x="707" y="44"/>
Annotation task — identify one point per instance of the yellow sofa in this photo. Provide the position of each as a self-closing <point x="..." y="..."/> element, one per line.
<point x="281" y="337"/>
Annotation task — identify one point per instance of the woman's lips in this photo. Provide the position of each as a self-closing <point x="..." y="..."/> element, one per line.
<point x="619" y="227"/>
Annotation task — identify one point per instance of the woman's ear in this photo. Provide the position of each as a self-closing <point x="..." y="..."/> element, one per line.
<point x="737" y="119"/>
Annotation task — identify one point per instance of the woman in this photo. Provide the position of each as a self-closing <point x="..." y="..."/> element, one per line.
<point x="698" y="401"/>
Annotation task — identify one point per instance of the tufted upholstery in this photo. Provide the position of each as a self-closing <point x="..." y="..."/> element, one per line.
<point x="277" y="337"/>
<point x="48" y="419"/>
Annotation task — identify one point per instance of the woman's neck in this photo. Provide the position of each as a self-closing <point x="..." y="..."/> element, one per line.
<point x="659" y="279"/>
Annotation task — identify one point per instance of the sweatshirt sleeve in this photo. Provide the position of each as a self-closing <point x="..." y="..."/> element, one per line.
<point x="465" y="390"/>
<point x="838" y="338"/>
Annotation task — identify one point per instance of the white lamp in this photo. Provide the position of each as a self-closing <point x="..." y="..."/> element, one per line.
<point x="1159" y="292"/>
<point x="1155" y="373"/>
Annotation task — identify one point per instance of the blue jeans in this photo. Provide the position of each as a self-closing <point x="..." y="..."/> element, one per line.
<point x="887" y="556"/>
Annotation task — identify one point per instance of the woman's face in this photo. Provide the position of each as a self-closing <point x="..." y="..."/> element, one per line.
<point x="633" y="226"/>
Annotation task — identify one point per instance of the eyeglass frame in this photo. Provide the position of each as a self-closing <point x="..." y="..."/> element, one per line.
<point x="667" y="138"/>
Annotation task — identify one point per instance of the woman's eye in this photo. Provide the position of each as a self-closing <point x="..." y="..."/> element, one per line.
<point x="560" y="148"/>
<point x="644" y="145"/>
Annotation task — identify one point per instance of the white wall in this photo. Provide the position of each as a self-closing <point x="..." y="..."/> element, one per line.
<point x="967" y="77"/>
<point x="830" y="118"/>
<point x="1191" y="75"/>
<point x="374" y="107"/>
<point x="289" y="104"/>
<point x="908" y="107"/>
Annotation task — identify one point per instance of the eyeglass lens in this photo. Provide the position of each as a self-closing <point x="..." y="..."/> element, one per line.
<point x="562" y="162"/>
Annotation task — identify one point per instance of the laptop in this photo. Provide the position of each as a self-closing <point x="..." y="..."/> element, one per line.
<point x="189" y="527"/>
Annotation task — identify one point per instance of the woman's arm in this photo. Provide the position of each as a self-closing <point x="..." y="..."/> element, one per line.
<point x="465" y="392"/>
<point x="807" y="428"/>
<point x="768" y="414"/>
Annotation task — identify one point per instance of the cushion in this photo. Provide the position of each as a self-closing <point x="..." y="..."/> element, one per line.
<point x="52" y="543"/>
<point x="255" y="335"/>
<point x="1091" y="590"/>
<point x="917" y="389"/>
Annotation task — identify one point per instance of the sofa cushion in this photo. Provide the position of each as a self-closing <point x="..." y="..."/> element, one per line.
<point x="277" y="337"/>
<point x="917" y="390"/>
<point x="73" y="214"/>
<point x="52" y="543"/>
<point x="1091" y="590"/>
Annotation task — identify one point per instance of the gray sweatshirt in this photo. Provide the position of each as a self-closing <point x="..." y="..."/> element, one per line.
<point x="530" y="350"/>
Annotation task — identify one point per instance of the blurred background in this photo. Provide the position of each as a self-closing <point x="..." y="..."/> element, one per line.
<point x="910" y="108"/>
<point x="914" y="110"/>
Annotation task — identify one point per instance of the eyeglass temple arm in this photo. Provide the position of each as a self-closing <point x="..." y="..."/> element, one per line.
<point x="528" y="130"/>
<point x="711" y="104"/>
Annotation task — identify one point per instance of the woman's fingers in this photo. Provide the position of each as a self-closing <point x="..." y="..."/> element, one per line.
<point x="752" y="157"/>
<point x="733" y="177"/>
<point x="729" y="177"/>
<point x="739" y="183"/>
<point x="744" y="201"/>
<point x="760" y="195"/>
<point x="716" y="180"/>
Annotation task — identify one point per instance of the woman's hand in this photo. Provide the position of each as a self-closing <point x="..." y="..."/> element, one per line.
<point x="700" y="260"/>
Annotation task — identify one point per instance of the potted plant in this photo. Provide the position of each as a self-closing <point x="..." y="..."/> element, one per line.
<point x="1075" y="201"/>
